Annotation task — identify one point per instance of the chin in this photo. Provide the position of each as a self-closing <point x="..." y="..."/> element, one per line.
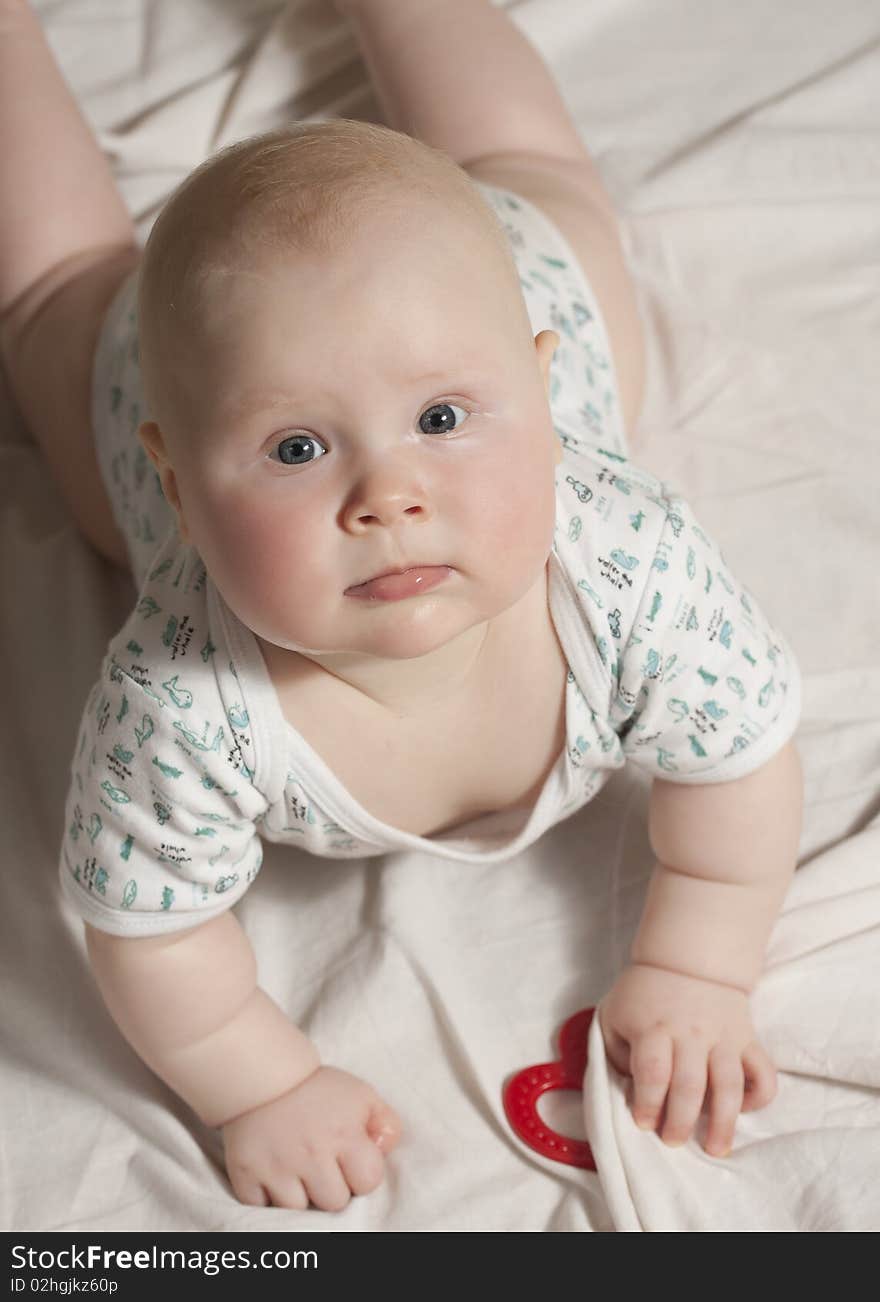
<point x="396" y="638"/>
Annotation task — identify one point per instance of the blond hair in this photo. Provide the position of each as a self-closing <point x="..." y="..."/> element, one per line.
<point x="301" y="188"/>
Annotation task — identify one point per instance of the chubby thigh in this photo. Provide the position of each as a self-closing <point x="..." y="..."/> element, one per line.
<point x="50" y="368"/>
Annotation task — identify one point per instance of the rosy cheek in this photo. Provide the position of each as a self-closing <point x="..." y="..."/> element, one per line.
<point x="274" y="538"/>
<point x="256" y="540"/>
<point x="518" y="495"/>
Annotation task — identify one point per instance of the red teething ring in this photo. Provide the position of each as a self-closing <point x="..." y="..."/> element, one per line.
<point x="522" y="1092"/>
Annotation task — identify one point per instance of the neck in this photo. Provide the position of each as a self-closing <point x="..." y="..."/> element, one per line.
<point x="412" y="689"/>
<point x="409" y="688"/>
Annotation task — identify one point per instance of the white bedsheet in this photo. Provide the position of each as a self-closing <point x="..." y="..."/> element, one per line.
<point x="741" y="142"/>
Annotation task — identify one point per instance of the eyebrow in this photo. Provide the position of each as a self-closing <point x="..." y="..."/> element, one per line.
<point x="255" y="402"/>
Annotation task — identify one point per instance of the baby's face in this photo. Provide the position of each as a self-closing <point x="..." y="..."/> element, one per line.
<point x="349" y="416"/>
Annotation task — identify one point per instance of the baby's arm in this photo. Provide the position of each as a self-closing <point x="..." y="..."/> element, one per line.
<point x="189" y="1004"/>
<point x="726" y="854"/>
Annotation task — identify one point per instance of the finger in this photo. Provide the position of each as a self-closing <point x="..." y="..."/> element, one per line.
<point x="384" y="1127"/>
<point x="687" y="1088"/>
<point x="651" y="1065"/>
<point x="363" y="1167"/>
<point x="249" y="1192"/>
<point x="617" y="1051"/>
<point x="762" y="1081"/>
<point x="288" y="1192"/>
<point x="726" y="1083"/>
<point x="327" y="1187"/>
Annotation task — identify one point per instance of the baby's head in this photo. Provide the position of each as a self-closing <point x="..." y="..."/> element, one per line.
<point x="343" y="380"/>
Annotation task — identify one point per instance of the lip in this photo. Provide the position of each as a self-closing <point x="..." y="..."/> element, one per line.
<point x="395" y="585"/>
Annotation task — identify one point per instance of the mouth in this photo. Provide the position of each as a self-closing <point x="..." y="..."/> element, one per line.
<point x="393" y="585"/>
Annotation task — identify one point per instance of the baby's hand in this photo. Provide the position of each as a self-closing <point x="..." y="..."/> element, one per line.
<point x="324" y="1140"/>
<point x="680" y="1034"/>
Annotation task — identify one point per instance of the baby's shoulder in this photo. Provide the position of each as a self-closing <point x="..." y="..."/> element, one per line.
<point x="610" y="514"/>
<point x="165" y="645"/>
<point x="170" y="674"/>
<point x="620" y="532"/>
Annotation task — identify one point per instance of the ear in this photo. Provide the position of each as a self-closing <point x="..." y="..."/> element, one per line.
<point x="546" y="344"/>
<point x="154" y="445"/>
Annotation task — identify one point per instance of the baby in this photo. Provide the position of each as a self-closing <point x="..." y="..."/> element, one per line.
<point x="386" y="377"/>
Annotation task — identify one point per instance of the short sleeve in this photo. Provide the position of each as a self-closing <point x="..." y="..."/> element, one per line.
<point x="160" y="821"/>
<point x="708" y="690"/>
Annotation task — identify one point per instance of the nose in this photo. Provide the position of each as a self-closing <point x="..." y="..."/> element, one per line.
<point x="385" y="496"/>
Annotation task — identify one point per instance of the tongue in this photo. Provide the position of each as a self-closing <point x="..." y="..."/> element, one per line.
<point x="407" y="584"/>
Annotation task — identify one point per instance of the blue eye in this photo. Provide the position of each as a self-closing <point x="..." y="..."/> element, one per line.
<point x="294" y="451"/>
<point x="438" y="418"/>
<point x="303" y="449"/>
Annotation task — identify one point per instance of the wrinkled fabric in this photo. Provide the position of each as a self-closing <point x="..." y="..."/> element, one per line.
<point x="741" y="146"/>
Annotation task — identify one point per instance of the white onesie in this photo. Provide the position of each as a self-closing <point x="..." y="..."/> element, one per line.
<point x="184" y="760"/>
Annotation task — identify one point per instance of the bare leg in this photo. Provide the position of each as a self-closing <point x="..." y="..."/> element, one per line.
<point x="66" y="241"/>
<point x="459" y="75"/>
